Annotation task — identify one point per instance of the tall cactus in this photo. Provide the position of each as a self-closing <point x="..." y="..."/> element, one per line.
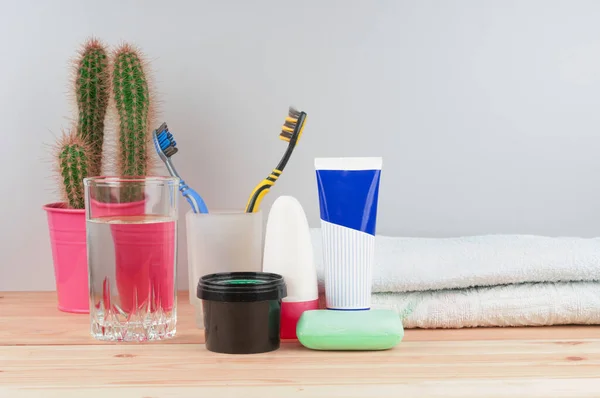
<point x="132" y="99"/>
<point x="74" y="162"/>
<point x="91" y="91"/>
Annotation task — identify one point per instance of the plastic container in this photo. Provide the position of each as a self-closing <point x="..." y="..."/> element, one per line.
<point x="221" y="241"/>
<point x="242" y="311"/>
<point x="288" y="252"/>
<point x="69" y="256"/>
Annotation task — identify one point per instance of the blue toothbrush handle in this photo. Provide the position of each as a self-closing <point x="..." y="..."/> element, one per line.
<point x="198" y="205"/>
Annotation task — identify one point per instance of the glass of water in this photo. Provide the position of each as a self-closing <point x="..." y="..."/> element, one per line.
<point x="131" y="225"/>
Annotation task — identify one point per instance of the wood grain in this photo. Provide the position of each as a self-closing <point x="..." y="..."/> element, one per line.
<point x="28" y="318"/>
<point x="46" y="353"/>
<point x="34" y="319"/>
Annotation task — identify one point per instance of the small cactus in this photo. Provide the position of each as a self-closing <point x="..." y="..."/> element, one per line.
<point x="132" y="100"/>
<point x="91" y="91"/>
<point x="73" y="160"/>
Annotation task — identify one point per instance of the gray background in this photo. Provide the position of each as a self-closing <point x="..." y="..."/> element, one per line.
<point x="485" y="112"/>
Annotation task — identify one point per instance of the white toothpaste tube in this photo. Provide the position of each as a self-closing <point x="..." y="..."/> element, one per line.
<point x="348" y="197"/>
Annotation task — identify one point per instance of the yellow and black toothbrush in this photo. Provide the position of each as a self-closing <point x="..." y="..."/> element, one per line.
<point x="290" y="132"/>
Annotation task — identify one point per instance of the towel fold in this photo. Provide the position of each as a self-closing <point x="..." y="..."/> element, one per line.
<point x="526" y="304"/>
<point x="422" y="264"/>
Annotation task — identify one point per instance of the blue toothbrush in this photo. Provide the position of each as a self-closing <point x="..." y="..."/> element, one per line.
<point x="165" y="146"/>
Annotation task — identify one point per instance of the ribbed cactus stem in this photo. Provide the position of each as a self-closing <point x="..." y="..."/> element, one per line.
<point x="92" y="89"/>
<point x="74" y="163"/>
<point x="132" y="100"/>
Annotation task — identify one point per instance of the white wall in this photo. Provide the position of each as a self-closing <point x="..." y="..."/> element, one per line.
<point x="486" y="112"/>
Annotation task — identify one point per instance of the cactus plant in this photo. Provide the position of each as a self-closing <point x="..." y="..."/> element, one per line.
<point x="131" y="93"/>
<point x="74" y="161"/>
<point x="91" y="91"/>
<point x="132" y="99"/>
<point x="79" y="152"/>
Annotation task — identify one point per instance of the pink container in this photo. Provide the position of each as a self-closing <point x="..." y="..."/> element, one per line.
<point x="144" y="265"/>
<point x="69" y="255"/>
<point x="100" y="209"/>
<point x="144" y="258"/>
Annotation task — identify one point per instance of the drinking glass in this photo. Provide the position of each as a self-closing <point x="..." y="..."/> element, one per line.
<point x="131" y="227"/>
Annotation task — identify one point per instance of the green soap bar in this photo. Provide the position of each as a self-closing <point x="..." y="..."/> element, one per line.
<point x="349" y="330"/>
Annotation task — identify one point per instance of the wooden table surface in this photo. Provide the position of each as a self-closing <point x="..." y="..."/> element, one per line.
<point x="47" y="353"/>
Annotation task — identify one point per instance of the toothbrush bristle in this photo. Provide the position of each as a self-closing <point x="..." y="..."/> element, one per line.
<point x="165" y="140"/>
<point x="291" y="127"/>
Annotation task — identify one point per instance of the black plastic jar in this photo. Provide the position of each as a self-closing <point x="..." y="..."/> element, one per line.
<point x="242" y="311"/>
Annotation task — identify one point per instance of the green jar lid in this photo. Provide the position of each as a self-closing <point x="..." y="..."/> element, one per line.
<point x="241" y="287"/>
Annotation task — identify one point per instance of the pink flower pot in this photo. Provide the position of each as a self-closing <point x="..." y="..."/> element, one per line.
<point x="144" y="259"/>
<point x="145" y="269"/>
<point x="69" y="255"/>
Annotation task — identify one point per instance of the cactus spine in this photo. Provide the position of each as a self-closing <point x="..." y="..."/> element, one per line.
<point x="132" y="100"/>
<point x="74" y="161"/>
<point x="91" y="90"/>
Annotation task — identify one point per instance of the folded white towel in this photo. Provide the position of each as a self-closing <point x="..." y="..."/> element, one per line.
<point x="527" y="304"/>
<point x="419" y="264"/>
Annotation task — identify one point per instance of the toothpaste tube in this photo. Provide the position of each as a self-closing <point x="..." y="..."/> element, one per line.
<point x="348" y="196"/>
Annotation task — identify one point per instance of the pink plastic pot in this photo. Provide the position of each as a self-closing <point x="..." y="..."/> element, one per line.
<point x="144" y="257"/>
<point x="145" y="271"/>
<point x="69" y="255"/>
<point x="101" y="209"/>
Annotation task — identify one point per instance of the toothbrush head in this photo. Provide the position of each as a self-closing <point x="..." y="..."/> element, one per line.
<point x="163" y="142"/>
<point x="293" y="127"/>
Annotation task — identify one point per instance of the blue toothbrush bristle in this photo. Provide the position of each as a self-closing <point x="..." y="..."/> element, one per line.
<point x="166" y="142"/>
